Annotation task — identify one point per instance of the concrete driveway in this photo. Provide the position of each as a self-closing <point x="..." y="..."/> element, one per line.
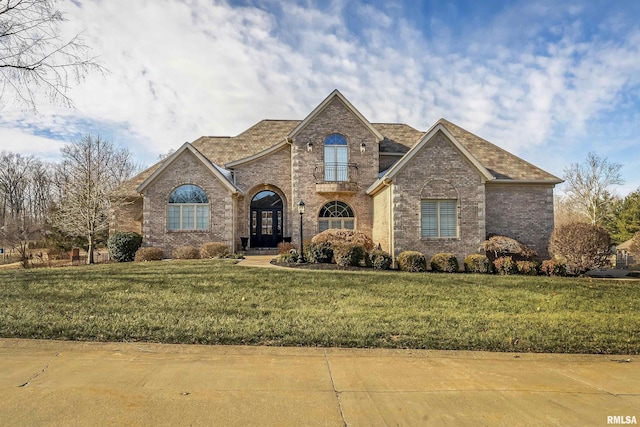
<point x="58" y="383"/>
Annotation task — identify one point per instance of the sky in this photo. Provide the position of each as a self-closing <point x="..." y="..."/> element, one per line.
<point x="549" y="81"/>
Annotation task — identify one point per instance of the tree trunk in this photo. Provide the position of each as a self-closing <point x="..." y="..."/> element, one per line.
<point x="90" y="250"/>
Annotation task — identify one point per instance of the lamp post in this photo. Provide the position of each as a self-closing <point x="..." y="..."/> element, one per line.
<point x="301" y="212"/>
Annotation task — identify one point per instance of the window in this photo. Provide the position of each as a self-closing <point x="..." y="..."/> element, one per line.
<point x="439" y="218"/>
<point x="335" y="158"/>
<point x="336" y="215"/>
<point x="188" y="209"/>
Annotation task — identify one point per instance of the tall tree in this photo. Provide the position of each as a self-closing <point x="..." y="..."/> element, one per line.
<point x="626" y="218"/>
<point x="34" y="54"/>
<point x="24" y="201"/>
<point x="89" y="171"/>
<point x="588" y="186"/>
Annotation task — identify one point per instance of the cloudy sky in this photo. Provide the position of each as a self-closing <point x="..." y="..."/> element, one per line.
<point x="549" y="81"/>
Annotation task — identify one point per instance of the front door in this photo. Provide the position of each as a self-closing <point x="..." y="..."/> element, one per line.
<point x="266" y="220"/>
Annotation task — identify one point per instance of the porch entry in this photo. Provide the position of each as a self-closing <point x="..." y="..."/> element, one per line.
<point x="266" y="220"/>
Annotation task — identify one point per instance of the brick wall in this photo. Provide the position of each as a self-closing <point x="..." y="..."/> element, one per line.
<point x="186" y="169"/>
<point x="522" y="212"/>
<point x="335" y="118"/>
<point x="127" y="217"/>
<point x="438" y="171"/>
<point x="381" y="219"/>
<point x="272" y="172"/>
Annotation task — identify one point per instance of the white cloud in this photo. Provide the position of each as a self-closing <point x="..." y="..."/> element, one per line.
<point x="533" y="76"/>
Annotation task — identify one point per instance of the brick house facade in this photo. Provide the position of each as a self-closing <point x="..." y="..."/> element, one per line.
<point x="442" y="190"/>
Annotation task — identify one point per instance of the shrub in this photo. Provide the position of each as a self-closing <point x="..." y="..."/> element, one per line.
<point x="214" y="250"/>
<point x="581" y="246"/>
<point x="348" y="254"/>
<point x="380" y="260"/>
<point x="553" y="267"/>
<point x="289" y="257"/>
<point x="186" y="252"/>
<point x="337" y="236"/>
<point x="148" y="254"/>
<point x="501" y="246"/>
<point x="505" y="265"/>
<point x="285" y="247"/>
<point x="444" y="262"/>
<point x="319" y="252"/>
<point x="412" y="261"/>
<point x="57" y="254"/>
<point x="528" y="268"/>
<point x="123" y="246"/>
<point x="477" y="263"/>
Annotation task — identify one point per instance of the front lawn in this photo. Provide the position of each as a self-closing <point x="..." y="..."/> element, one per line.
<point x="216" y="302"/>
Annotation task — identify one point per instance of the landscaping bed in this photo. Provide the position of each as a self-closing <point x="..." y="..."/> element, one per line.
<point x="216" y="302"/>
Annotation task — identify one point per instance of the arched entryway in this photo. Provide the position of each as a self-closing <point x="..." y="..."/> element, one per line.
<point x="266" y="220"/>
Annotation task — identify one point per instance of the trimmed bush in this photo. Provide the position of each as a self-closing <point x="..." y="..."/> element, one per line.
<point x="444" y="263"/>
<point x="186" y="252"/>
<point x="581" y="246"/>
<point x="214" y="250"/>
<point x="553" y="267"/>
<point x="285" y="247"/>
<point x="289" y="257"/>
<point x="319" y="252"/>
<point x="123" y="246"/>
<point x="501" y="246"/>
<point x="505" y="266"/>
<point x="337" y="236"/>
<point x="477" y="263"/>
<point x="411" y="261"/>
<point x="528" y="268"/>
<point x="347" y="255"/>
<point x="148" y="254"/>
<point x="380" y="260"/>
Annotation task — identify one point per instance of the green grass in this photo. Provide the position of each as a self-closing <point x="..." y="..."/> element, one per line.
<point x="216" y="302"/>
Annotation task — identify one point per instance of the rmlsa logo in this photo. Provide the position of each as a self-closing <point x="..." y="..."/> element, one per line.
<point x="620" y="419"/>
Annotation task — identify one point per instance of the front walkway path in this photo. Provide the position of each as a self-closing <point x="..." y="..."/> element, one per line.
<point x="58" y="383"/>
<point x="258" y="261"/>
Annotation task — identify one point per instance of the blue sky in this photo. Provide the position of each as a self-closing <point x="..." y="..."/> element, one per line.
<point x="549" y="81"/>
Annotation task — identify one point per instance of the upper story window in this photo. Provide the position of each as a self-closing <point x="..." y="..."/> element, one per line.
<point x="336" y="214"/>
<point x="336" y="158"/>
<point x="188" y="209"/>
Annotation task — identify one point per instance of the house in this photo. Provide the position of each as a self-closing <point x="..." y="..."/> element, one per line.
<point x="443" y="190"/>
<point x="625" y="255"/>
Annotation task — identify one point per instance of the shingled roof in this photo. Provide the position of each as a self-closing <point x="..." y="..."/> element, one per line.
<point x="398" y="138"/>
<point x="500" y="163"/>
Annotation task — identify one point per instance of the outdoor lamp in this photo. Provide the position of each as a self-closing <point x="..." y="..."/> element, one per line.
<point x="362" y="147"/>
<point x="309" y="146"/>
<point x="301" y="212"/>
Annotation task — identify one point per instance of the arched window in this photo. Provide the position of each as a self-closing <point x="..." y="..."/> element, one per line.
<point x="336" y="158"/>
<point x="188" y="209"/>
<point x="336" y="215"/>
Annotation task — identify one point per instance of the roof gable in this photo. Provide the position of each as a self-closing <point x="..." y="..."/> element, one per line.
<point x="492" y="162"/>
<point x="333" y="95"/>
<point x="213" y="168"/>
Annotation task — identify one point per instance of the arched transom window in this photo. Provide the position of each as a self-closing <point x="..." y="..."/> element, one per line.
<point x="336" y="158"/>
<point x="336" y="214"/>
<point x="188" y="209"/>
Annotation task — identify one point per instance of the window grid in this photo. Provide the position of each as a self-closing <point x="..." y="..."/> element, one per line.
<point x="336" y="214"/>
<point x="188" y="209"/>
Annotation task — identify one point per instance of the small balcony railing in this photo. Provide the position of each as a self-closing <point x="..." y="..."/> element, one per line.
<point x="336" y="177"/>
<point x="335" y="172"/>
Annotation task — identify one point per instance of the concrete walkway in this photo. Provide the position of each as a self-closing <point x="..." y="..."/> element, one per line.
<point x="58" y="383"/>
<point x="258" y="261"/>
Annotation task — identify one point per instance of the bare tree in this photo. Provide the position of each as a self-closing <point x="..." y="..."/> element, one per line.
<point x="89" y="171"/>
<point x="24" y="202"/>
<point x="33" y="54"/>
<point x="588" y="186"/>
